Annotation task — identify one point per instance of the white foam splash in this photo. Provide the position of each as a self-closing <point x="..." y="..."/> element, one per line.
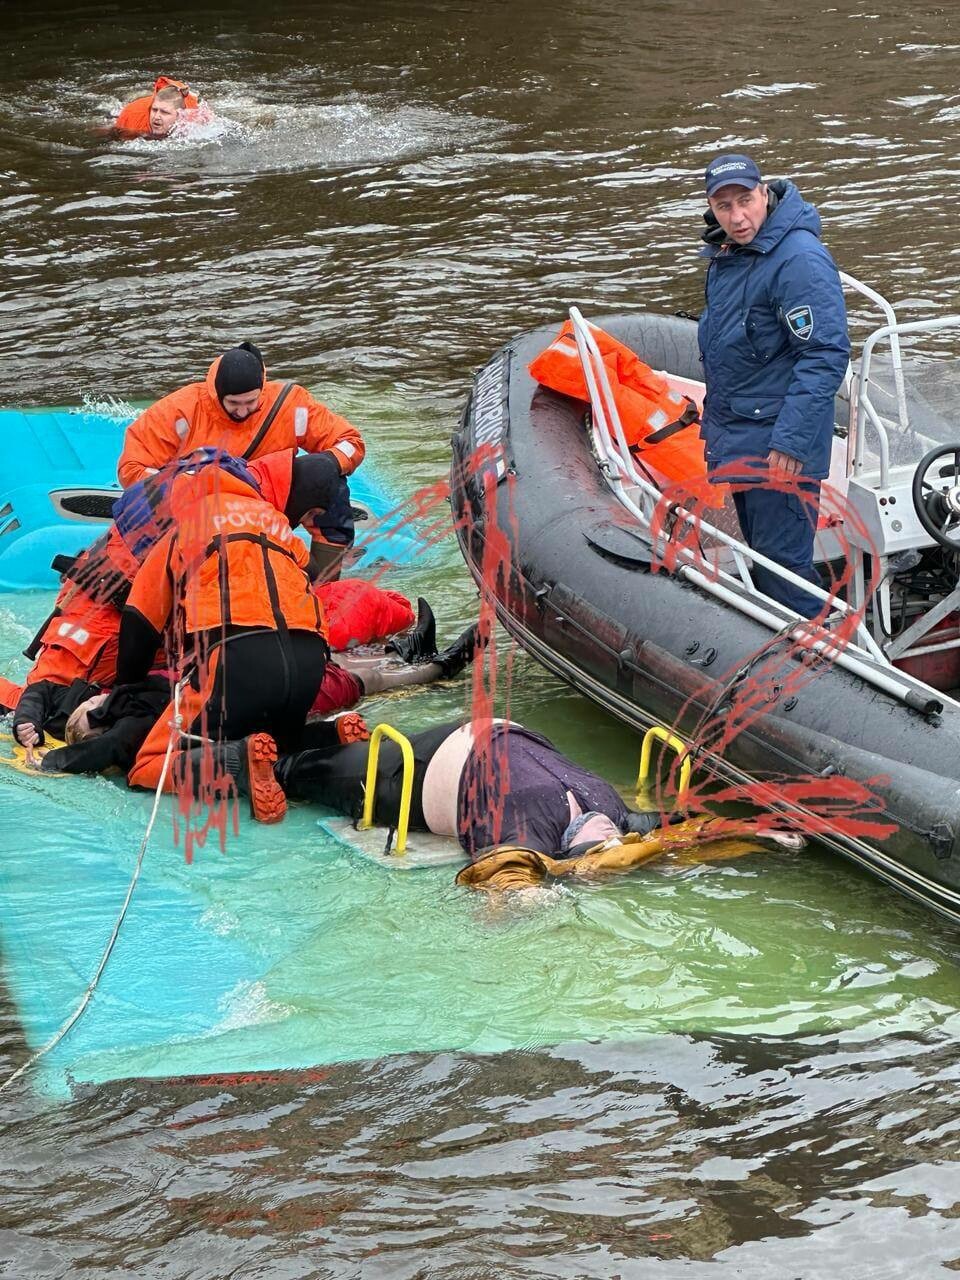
<point x="249" y="1005"/>
<point x="769" y="90"/>
<point x="250" y="136"/>
<point x="105" y="406"/>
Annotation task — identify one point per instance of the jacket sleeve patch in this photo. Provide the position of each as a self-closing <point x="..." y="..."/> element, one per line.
<point x="800" y="322"/>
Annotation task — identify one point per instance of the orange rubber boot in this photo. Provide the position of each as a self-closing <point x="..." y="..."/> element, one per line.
<point x="267" y="801"/>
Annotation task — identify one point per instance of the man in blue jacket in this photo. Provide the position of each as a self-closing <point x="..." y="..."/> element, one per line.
<point x="774" y="345"/>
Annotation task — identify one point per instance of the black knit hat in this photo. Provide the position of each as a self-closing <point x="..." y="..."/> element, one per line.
<point x="314" y="484"/>
<point x="240" y="370"/>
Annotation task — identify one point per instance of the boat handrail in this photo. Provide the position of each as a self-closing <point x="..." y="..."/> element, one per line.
<point x="890" y="316"/>
<point x="604" y="413"/>
<point x="865" y="407"/>
<point x="863" y="657"/>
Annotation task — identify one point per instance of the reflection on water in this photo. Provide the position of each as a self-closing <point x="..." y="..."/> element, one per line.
<point x="770" y="1158"/>
<point x="392" y="191"/>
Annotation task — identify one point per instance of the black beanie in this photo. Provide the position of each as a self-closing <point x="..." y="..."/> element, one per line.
<point x="315" y="481"/>
<point x="240" y="370"/>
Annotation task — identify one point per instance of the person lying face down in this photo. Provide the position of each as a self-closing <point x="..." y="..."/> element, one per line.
<point x="510" y="798"/>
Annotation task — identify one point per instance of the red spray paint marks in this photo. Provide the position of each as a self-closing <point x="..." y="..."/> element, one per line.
<point x="730" y="704"/>
<point x="496" y="573"/>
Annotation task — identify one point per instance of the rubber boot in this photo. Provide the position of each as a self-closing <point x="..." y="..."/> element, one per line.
<point x="420" y="644"/>
<point x="326" y="560"/>
<point x="249" y="763"/>
<point x="456" y="656"/>
<point x="351" y="727"/>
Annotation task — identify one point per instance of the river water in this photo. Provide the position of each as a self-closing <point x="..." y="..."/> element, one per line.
<point x="752" y="1073"/>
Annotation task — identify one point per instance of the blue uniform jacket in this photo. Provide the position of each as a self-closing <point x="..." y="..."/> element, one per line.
<point x="773" y="340"/>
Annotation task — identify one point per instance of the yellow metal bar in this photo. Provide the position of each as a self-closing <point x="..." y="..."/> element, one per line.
<point x="676" y="744"/>
<point x="406" y="790"/>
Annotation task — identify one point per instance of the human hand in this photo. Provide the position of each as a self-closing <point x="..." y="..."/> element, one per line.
<point x="778" y="461"/>
<point x="34" y="757"/>
<point x="27" y="734"/>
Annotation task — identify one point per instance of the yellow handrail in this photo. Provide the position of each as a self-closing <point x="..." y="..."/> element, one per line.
<point x="677" y="745"/>
<point x="370" y="786"/>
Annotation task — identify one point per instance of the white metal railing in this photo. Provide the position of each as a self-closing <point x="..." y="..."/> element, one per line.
<point x="864" y="658"/>
<point x="851" y="282"/>
<point x="865" y="408"/>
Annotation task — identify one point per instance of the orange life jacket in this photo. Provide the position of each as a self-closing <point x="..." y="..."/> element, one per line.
<point x="103" y="573"/>
<point x="135" y="116"/>
<point x="658" y="422"/>
<point x="193" y="417"/>
<point x="231" y="559"/>
<point x="10" y="694"/>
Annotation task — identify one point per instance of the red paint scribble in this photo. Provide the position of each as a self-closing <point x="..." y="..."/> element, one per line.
<point x="496" y="574"/>
<point x="237" y="1079"/>
<point x="722" y="707"/>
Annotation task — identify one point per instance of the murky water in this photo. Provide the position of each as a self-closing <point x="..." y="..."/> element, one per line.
<point x="393" y="189"/>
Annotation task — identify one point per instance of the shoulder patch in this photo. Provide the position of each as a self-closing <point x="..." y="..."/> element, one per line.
<point x="800" y="320"/>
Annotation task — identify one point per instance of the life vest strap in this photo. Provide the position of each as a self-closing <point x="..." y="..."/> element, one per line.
<point x="690" y="414"/>
<point x="267" y="423"/>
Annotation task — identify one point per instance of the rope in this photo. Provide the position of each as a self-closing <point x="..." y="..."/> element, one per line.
<point x="175" y="730"/>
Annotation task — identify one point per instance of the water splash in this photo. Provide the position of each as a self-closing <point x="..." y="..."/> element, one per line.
<point x="104" y="406"/>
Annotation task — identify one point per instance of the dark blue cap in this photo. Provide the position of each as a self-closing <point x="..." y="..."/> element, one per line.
<point x="735" y="170"/>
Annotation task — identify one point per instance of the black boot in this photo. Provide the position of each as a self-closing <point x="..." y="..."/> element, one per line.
<point x="458" y="655"/>
<point x="420" y="644"/>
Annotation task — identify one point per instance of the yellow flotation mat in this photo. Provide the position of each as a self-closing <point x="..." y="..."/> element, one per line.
<point x="26" y="759"/>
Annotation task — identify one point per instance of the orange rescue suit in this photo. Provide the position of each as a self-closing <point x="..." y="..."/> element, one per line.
<point x="80" y="640"/>
<point x="193" y="417"/>
<point x="274" y="474"/>
<point x="231" y="560"/>
<point x="658" y="422"/>
<point x="79" y="643"/>
<point x="135" y="116"/>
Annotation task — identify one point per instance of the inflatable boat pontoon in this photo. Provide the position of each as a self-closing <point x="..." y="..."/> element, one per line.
<point x="647" y="605"/>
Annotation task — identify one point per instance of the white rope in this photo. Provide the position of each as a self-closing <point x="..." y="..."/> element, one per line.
<point x="92" y="985"/>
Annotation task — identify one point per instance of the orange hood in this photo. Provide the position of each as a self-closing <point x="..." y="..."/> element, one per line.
<point x="190" y="99"/>
<point x="190" y="491"/>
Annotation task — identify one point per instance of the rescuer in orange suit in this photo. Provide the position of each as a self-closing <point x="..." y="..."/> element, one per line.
<point x="77" y="645"/>
<point x="245" y="632"/>
<point x="75" y="650"/>
<point x="155" y="114"/>
<point x="237" y="410"/>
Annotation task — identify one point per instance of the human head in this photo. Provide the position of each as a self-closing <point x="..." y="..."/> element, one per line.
<point x="163" y="111"/>
<point x="239" y="381"/>
<point x="737" y="196"/>
<point x="314" y="483"/>
<point x="585" y="831"/>
<point x="78" y="727"/>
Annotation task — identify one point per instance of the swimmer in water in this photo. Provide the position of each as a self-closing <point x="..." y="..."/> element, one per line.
<point x="155" y="115"/>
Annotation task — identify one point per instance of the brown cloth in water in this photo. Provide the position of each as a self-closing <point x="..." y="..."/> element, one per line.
<point x="699" y="839"/>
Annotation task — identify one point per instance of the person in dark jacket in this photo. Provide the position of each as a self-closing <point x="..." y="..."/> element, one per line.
<point x="774" y="344"/>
